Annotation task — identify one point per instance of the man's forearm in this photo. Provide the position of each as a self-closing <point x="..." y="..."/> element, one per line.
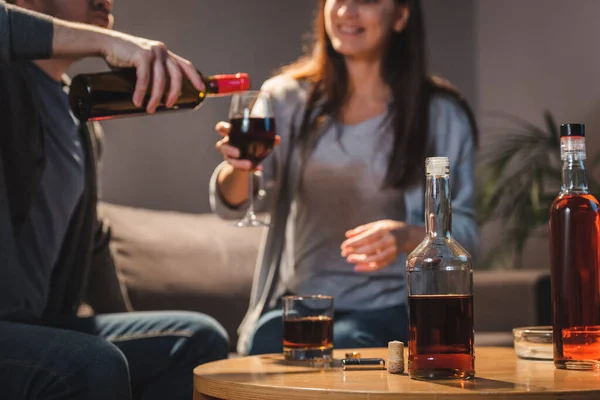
<point x="78" y="40"/>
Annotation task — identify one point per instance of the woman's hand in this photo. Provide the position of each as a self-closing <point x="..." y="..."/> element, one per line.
<point x="232" y="154"/>
<point x="233" y="178"/>
<point x="376" y="245"/>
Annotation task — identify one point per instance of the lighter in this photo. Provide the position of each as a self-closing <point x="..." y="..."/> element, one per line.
<point x="363" y="363"/>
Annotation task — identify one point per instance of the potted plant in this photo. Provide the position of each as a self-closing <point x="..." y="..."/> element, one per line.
<point x="518" y="177"/>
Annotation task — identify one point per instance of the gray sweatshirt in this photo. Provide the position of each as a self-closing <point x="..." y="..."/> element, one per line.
<point x="24" y="35"/>
<point x="341" y="189"/>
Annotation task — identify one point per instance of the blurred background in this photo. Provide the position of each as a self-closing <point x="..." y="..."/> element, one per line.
<point x="514" y="57"/>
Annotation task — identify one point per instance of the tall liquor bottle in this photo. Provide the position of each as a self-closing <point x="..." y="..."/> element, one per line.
<point x="440" y="290"/>
<point x="575" y="247"/>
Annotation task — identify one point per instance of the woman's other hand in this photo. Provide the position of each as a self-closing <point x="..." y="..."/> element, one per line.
<point x="376" y="245"/>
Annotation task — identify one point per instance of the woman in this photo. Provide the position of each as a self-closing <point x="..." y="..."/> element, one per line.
<point x="356" y="117"/>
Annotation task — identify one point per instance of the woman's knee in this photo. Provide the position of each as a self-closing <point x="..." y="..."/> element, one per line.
<point x="268" y="334"/>
<point x="353" y="334"/>
<point x="208" y="340"/>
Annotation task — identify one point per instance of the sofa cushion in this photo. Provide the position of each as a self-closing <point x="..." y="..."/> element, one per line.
<point x="178" y="261"/>
<point x="171" y="260"/>
<point x="504" y="300"/>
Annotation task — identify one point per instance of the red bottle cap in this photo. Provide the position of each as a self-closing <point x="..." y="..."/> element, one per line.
<point x="230" y="83"/>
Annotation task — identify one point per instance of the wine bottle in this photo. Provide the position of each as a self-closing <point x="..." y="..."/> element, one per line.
<point x="440" y="290"/>
<point x="107" y="95"/>
<point x="575" y="260"/>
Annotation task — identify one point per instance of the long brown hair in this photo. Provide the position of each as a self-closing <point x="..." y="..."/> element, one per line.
<point x="404" y="69"/>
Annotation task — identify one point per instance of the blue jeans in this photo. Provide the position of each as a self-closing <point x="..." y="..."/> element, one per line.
<point x="355" y="329"/>
<point x="142" y="355"/>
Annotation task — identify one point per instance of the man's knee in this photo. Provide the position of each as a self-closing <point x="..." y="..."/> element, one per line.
<point x="208" y="340"/>
<point x="44" y="362"/>
<point x="100" y="370"/>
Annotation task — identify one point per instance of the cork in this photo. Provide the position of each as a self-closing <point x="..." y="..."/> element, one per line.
<point x="395" y="357"/>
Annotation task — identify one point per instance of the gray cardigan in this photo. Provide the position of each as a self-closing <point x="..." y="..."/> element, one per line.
<point x="450" y="134"/>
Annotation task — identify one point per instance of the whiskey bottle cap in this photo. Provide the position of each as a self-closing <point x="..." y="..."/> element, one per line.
<point x="569" y="130"/>
<point x="437" y="166"/>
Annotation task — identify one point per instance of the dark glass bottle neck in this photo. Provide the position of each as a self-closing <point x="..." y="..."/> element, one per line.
<point x="212" y="85"/>
<point x="438" y="209"/>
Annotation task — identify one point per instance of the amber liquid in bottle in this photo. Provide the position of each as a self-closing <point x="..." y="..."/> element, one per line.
<point x="575" y="229"/>
<point x="441" y="334"/>
<point x="108" y="95"/>
<point x="575" y="247"/>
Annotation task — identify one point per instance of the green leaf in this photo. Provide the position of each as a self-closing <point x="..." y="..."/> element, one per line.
<point x="535" y="196"/>
<point x="552" y="128"/>
<point x="518" y="178"/>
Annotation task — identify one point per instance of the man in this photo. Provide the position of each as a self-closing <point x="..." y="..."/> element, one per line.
<point x="51" y="242"/>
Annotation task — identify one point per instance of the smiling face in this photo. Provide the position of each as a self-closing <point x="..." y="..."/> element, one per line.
<point x="93" y="12"/>
<point x="361" y="28"/>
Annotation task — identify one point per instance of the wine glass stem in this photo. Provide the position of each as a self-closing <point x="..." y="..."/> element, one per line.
<point x="250" y="212"/>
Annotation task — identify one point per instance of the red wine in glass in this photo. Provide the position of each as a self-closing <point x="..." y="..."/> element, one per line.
<point x="253" y="133"/>
<point x="254" y="137"/>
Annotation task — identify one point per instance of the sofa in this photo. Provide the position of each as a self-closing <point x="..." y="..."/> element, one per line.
<point x="172" y="260"/>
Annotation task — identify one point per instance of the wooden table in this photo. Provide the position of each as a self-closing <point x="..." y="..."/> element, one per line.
<point x="500" y="375"/>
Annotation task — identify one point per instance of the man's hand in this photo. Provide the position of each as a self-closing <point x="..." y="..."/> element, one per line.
<point x="151" y="59"/>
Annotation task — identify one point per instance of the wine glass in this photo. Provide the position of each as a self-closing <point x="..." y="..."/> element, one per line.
<point x="253" y="133"/>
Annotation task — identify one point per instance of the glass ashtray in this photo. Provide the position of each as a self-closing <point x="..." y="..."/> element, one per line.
<point x="534" y="342"/>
